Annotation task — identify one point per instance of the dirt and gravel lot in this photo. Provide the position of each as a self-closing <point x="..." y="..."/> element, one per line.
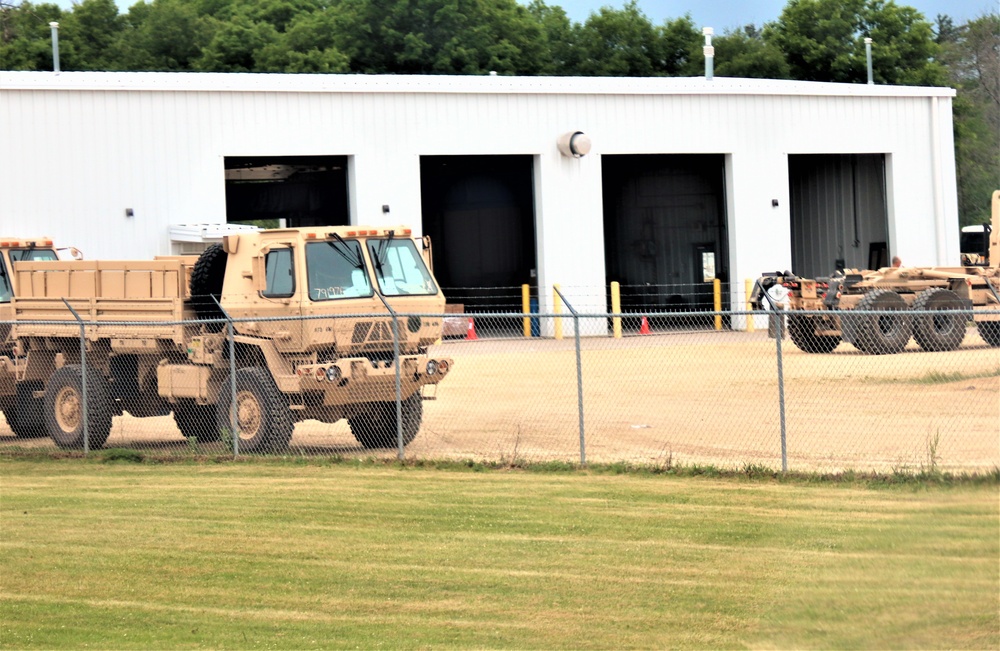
<point x="697" y="397"/>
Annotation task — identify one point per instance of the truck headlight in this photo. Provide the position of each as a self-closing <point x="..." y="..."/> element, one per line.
<point x="333" y="373"/>
<point x="432" y="367"/>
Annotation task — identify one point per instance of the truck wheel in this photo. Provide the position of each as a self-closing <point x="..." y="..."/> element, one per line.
<point x="878" y="334"/>
<point x="263" y="419"/>
<point x="990" y="332"/>
<point x="803" y="335"/>
<point x="63" y="407"/>
<point x="24" y="412"/>
<point x="944" y="330"/>
<point x="196" y="420"/>
<point x="207" y="277"/>
<point x="375" y="427"/>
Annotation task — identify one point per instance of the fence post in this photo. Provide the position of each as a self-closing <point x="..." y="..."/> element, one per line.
<point x="616" y="308"/>
<point x="83" y="367"/>
<point x="781" y="392"/>
<point x="579" y="376"/>
<point x="781" y="380"/>
<point x="234" y="422"/>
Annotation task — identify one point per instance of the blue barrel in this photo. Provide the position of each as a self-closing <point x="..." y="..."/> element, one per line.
<point x="536" y="330"/>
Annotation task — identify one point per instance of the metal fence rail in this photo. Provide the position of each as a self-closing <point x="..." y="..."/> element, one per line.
<point x="670" y="390"/>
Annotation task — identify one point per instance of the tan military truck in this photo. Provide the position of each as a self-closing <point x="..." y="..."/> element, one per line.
<point x="14" y="250"/>
<point x="328" y="323"/>
<point x="933" y="305"/>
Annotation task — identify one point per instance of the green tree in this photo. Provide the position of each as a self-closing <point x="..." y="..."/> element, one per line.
<point x="438" y="36"/>
<point x="235" y="45"/>
<point x="25" y="36"/>
<point x="973" y="60"/>
<point x="681" y="49"/>
<point x="620" y="43"/>
<point x="558" y="38"/>
<point x="823" y="40"/>
<point x="744" y="53"/>
<point x="165" y="35"/>
<point x="89" y="36"/>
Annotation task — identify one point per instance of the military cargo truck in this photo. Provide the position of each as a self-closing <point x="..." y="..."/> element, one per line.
<point x="314" y="336"/>
<point x="933" y="305"/>
<point x="14" y="250"/>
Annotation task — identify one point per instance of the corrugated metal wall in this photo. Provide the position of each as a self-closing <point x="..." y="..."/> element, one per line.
<point x="838" y="210"/>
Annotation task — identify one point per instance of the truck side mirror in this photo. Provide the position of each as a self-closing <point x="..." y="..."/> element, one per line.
<point x="425" y="252"/>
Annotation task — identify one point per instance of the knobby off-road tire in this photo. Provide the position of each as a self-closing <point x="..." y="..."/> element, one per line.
<point x="207" y="278"/>
<point x="63" y="408"/>
<point x="196" y="420"/>
<point x="802" y="331"/>
<point x="375" y="427"/>
<point x="879" y="334"/>
<point x="263" y="419"/>
<point x="990" y="332"/>
<point x="24" y="411"/>
<point x="944" y="330"/>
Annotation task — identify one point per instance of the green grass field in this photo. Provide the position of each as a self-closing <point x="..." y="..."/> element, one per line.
<point x="299" y="556"/>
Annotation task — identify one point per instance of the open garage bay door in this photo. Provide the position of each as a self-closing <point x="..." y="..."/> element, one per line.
<point x="838" y="213"/>
<point x="665" y="229"/>
<point x="301" y="190"/>
<point x="479" y="212"/>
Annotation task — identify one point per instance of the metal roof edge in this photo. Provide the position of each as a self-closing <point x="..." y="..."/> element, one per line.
<point x="448" y="84"/>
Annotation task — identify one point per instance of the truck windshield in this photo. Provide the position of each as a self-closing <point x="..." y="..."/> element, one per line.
<point x="17" y="255"/>
<point x="336" y="269"/>
<point x="399" y="268"/>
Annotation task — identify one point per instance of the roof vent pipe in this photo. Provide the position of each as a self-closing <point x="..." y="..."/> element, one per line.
<point x="55" y="46"/>
<point x="868" y="57"/>
<point x="709" y="52"/>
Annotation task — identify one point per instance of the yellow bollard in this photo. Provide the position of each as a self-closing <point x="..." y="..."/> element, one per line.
<point x="616" y="307"/>
<point x="748" y="288"/>
<point x="717" y="290"/>
<point x="557" y="309"/>
<point x="526" y="308"/>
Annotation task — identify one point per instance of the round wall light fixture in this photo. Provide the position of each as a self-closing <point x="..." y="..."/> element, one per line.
<point x="575" y="144"/>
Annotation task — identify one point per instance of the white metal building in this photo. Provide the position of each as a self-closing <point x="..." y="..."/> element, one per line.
<point x="677" y="174"/>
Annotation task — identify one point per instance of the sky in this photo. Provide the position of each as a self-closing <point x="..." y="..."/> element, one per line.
<point x="724" y="14"/>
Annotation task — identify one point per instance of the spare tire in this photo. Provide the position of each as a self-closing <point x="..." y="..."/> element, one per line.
<point x="207" y="278"/>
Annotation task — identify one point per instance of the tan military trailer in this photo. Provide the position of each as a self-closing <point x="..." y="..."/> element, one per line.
<point x="315" y="336"/>
<point x="14" y="250"/>
<point x="933" y="305"/>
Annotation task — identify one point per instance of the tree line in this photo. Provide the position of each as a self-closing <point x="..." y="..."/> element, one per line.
<point x="812" y="40"/>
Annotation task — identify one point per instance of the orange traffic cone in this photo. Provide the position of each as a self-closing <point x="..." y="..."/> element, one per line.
<point x="644" y="328"/>
<point x="471" y="334"/>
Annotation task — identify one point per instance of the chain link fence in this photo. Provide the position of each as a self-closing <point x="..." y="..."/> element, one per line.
<point x="658" y="388"/>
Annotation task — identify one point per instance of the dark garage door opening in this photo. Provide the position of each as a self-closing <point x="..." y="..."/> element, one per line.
<point x="665" y="229"/>
<point x="479" y="212"/>
<point x="838" y="213"/>
<point x="302" y="190"/>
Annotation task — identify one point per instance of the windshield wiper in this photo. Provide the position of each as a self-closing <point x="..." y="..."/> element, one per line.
<point x="383" y="248"/>
<point x="358" y="262"/>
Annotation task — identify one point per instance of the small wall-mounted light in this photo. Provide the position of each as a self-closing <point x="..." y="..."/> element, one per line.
<point x="129" y="212"/>
<point x="385" y="209"/>
<point x="575" y="144"/>
<point x="774" y="203"/>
